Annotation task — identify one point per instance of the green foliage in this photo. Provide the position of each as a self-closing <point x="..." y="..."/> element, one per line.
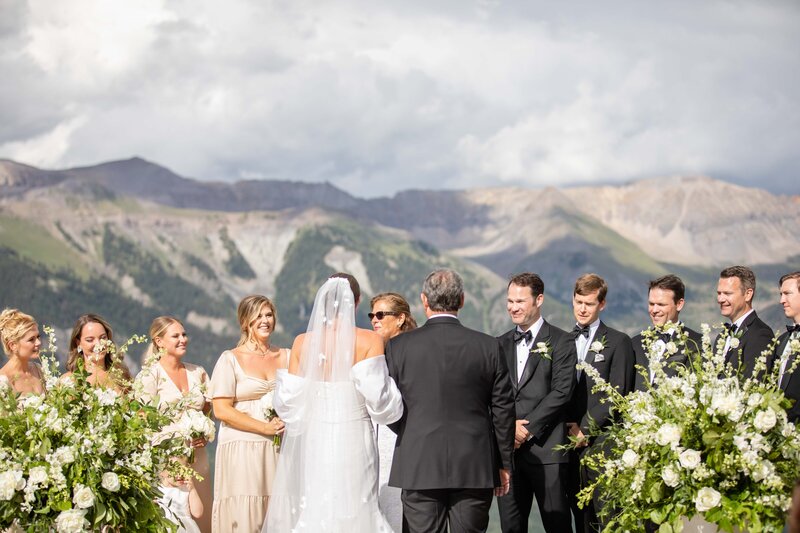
<point x="236" y="263"/>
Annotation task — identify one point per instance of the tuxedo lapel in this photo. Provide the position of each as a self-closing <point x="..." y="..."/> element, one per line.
<point x="510" y="349"/>
<point x="779" y="355"/>
<point x="601" y="332"/>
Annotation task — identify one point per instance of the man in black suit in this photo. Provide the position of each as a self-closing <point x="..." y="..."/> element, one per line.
<point x="610" y="352"/>
<point x="785" y="355"/>
<point x="541" y="362"/>
<point x="456" y="438"/>
<point x="749" y="334"/>
<point x="665" y="300"/>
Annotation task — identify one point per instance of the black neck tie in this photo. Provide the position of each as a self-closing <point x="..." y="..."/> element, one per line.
<point x="581" y="330"/>
<point x="793" y="329"/>
<point x="519" y="335"/>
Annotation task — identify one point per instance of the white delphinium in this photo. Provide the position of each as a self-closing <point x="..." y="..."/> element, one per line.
<point x="62" y="456"/>
<point x="72" y="521"/>
<point x="82" y="496"/>
<point x="707" y="498"/>
<point x="763" y="470"/>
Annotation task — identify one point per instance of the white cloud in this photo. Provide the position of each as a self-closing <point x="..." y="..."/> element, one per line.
<point x="376" y="96"/>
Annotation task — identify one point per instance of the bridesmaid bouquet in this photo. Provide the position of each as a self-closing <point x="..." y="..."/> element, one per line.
<point x="81" y="457"/>
<point x="269" y="413"/>
<point x="193" y="424"/>
<point x="706" y="442"/>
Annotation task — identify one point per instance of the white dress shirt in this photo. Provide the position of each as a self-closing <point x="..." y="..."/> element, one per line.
<point x="582" y="343"/>
<point x="524" y="349"/>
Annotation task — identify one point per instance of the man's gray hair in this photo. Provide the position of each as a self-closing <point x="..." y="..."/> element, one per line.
<point x="444" y="290"/>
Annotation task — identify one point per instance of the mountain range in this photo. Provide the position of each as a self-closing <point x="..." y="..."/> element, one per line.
<point x="131" y="240"/>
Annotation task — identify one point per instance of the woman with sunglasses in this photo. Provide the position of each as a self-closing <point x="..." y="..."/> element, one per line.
<point x="390" y="316"/>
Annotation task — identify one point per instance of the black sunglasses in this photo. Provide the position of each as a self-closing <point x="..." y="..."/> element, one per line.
<point x="380" y="314"/>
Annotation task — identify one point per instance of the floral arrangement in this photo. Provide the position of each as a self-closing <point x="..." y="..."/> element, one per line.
<point x="269" y="412"/>
<point x="706" y="441"/>
<point x="81" y="457"/>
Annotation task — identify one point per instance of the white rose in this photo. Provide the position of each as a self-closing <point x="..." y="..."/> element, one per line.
<point x="762" y="471"/>
<point x="596" y="347"/>
<point x="630" y="458"/>
<point x="765" y="420"/>
<point x="10" y="481"/>
<point x="670" y="477"/>
<point x="707" y="498"/>
<point x="668" y="434"/>
<point x="689" y="459"/>
<point x="83" y="497"/>
<point x="72" y="521"/>
<point x="734" y="342"/>
<point x="37" y="475"/>
<point x="754" y="399"/>
<point x="671" y="347"/>
<point x="110" y="481"/>
<point x="65" y="455"/>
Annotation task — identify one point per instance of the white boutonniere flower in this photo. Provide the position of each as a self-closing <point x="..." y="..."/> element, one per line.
<point x="597" y="347"/>
<point x="734" y="342"/>
<point x="671" y="348"/>
<point x="543" y="349"/>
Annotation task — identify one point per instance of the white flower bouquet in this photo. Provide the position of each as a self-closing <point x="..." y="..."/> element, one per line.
<point x="268" y="412"/>
<point x="80" y="458"/>
<point x="706" y="441"/>
<point x="193" y="424"/>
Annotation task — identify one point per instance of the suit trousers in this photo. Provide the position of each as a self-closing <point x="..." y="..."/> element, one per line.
<point x="430" y="511"/>
<point x="548" y="483"/>
<point x="587" y="520"/>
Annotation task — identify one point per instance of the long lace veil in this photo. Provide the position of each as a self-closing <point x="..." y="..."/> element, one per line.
<point x="326" y="358"/>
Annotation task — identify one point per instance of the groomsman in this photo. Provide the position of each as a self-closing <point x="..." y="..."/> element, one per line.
<point x="610" y="352"/>
<point x="784" y="357"/>
<point x="665" y="299"/>
<point x="735" y="292"/>
<point x="541" y="362"/>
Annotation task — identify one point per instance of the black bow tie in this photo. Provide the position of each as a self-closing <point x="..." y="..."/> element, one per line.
<point x="730" y="328"/>
<point x="581" y="330"/>
<point x="518" y="336"/>
<point x="793" y="329"/>
<point x="664" y="336"/>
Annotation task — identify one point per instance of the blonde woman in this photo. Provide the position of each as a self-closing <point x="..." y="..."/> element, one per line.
<point x="171" y="380"/>
<point x="19" y="334"/>
<point x="90" y="341"/>
<point x="246" y="455"/>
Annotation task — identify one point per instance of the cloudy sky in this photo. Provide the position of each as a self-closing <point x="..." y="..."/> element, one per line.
<point x="379" y="96"/>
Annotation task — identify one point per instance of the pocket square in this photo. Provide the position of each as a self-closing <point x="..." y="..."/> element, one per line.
<point x="599" y="358"/>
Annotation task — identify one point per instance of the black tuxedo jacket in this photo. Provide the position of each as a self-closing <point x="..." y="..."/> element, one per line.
<point x="754" y="339"/>
<point x="694" y="345"/>
<point x="458" y="427"/>
<point x="616" y="367"/>
<point x="790" y="384"/>
<point x="543" y="392"/>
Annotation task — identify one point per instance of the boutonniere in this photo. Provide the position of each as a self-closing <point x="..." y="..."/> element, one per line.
<point x="598" y="346"/>
<point x="543" y="349"/>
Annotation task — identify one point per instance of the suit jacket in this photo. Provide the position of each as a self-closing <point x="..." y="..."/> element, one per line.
<point x="790" y="384"/>
<point x="616" y="367"/>
<point x="754" y="337"/>
<point x="458" y="427"/>
<point x="543" y="392"/>
<point x="694" y="345"/>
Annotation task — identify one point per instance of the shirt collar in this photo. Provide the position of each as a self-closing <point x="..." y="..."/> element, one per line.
<point x="738" y="323"/>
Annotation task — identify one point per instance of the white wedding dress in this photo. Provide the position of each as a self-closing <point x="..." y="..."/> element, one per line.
<point x="327" y="475"/>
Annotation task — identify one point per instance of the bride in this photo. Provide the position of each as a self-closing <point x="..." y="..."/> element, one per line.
<point x="337" y="385"/>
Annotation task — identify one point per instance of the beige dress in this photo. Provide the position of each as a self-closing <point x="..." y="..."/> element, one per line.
<point x="157" y="383"/>
<point x="245" y="462"/>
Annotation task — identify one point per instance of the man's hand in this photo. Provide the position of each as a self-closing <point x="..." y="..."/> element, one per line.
<point x="521" y="435"/>
<point x="505" y="483"/>
<point x="575" y="431"/>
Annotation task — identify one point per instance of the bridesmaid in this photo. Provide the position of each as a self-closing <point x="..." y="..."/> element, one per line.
<point x="105" y="370"/>
<point x="246" y="456"/>
<point x="171" y="380"/>
<point x="390" y="316"/>
<point x="20" y="336"/>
